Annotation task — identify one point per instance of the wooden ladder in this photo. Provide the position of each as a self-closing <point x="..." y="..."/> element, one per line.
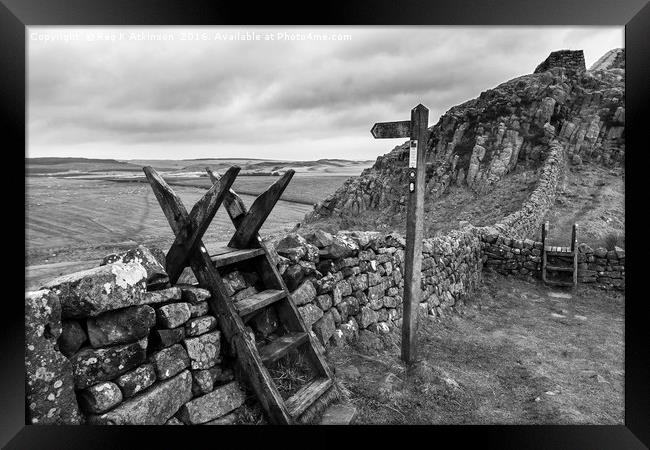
<point x="560" y="254"/>
<point x="245" y="247"/>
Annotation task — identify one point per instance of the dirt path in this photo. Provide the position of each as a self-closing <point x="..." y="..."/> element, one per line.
<point x="519" y="354"/>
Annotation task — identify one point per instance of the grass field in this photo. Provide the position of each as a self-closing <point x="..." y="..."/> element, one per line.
<point x="71" y="223"/>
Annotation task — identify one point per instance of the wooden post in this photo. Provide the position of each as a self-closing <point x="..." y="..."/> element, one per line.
<point x="417" y="130"/>
<point x="414" y="231"/>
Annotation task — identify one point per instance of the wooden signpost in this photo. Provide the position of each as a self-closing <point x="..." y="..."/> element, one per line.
<point x="416" y="130"/>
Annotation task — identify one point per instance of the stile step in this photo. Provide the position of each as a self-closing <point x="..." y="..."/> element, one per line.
<point x="281" y="346"/>
<point x="258" y="301"/>
<point x="559" y="283"/>
<point x="223" y="256"/>
<point x="559" y="269"/>
<point x="307" y="395"/>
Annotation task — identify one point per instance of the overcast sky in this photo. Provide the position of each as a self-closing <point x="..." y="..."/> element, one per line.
<point x="122" y="93"/>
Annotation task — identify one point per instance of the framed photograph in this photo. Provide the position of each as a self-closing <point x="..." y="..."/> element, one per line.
<point x="372" y="214"/>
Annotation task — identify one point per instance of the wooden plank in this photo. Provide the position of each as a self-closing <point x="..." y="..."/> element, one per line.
<point x="229" y="321"/>
<point x="559" y="268"/>
<point x="228" y="255"/>
<point x="259" y="211"/>
<point x="233" y="203"/>
<point x="199" y="220"/>
<point x="414" y="236"/>
<point x="544" y="257"/>
<point x="307" y="395"/>
<point x="390" y="130"/>
<point x="249" y="225"/>
<point x="258" y="301"/>
<point x="281" y="346"/>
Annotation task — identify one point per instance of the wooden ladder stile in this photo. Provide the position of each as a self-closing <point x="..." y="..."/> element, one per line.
<point x="556" y="251"/>
<point x="245" y="246"/>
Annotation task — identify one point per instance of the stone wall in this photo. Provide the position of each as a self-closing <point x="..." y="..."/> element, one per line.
<point x="568" y="59"/>
<point x="346" y="283"/>
<point x="522" y="257"/>
<point x="528" y="219"/>
<point x="118" y="345"/>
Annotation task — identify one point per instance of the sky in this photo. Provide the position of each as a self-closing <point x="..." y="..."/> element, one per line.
<point x="293" y="93"/>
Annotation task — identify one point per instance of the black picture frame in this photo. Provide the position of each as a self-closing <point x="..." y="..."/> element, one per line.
<point x="16" y="15"/>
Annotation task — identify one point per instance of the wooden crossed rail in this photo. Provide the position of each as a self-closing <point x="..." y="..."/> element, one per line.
<point x="244" y="246"/>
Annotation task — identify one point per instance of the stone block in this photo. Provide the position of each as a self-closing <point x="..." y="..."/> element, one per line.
<point x="324" y="328"/>
<point x="212" y="405"/>
<point x="193" y="294"/>
<point x="199" y="309"/>
<point x="173" y="315"/>
<point x="200" y="325"/>
<point x="100" y="397"/>
<point x="136" y="380"/>
<point x="120" y="326"/>
<point x="170" y="361"/>
<point x="91" y="365"/>
<point x="91" y="292"/>
<point x="50" y="398"/>
<point x="171" y="294"/>
<point x="155" y="406"/>
<point x="204" y="350"/>
<point x="166" y="338"/>
<point x="306" y="293"/>
<point x="72" y="337"/>
<point x="310" y="314"/>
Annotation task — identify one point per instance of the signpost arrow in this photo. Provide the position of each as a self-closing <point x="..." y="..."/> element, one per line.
<point x="388" y="130"/>
<point x="416" y="129"/>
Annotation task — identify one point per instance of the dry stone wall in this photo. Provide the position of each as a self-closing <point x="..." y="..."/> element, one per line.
<point x="522" y="257"/>
<point x="352" y="282"/>
<point x="118" y="345"/>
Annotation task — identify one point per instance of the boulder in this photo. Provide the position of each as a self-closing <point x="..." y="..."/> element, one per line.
<point x="213" y="405"/>
<point x="120" y="326"/>
<point x="100" y="397"/>
<point x="170" y="361"/>
<point x="49" y="382"/>
<point x="154" y="406"/>
<point x="136" y="380"/>
<point x="91" y="292"/>
<point x="204" y="350"/>
<point x="91" y="365"/>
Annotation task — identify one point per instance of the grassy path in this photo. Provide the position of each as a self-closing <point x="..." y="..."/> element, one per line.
<point x="519" y="354"/>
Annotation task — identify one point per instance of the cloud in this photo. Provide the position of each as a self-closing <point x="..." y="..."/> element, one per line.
<point x="292" y="99"/>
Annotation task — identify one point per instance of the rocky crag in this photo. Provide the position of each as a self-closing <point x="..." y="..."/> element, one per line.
<point x="476" y="144"/>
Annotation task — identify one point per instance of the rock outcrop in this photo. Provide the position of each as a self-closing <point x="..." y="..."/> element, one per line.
<point x="477" y="143"/>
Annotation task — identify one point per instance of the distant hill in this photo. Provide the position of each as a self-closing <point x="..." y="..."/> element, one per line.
<point x="50" y="165"/>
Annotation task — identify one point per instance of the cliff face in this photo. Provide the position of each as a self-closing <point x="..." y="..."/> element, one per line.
<point x="479" y="142"/>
